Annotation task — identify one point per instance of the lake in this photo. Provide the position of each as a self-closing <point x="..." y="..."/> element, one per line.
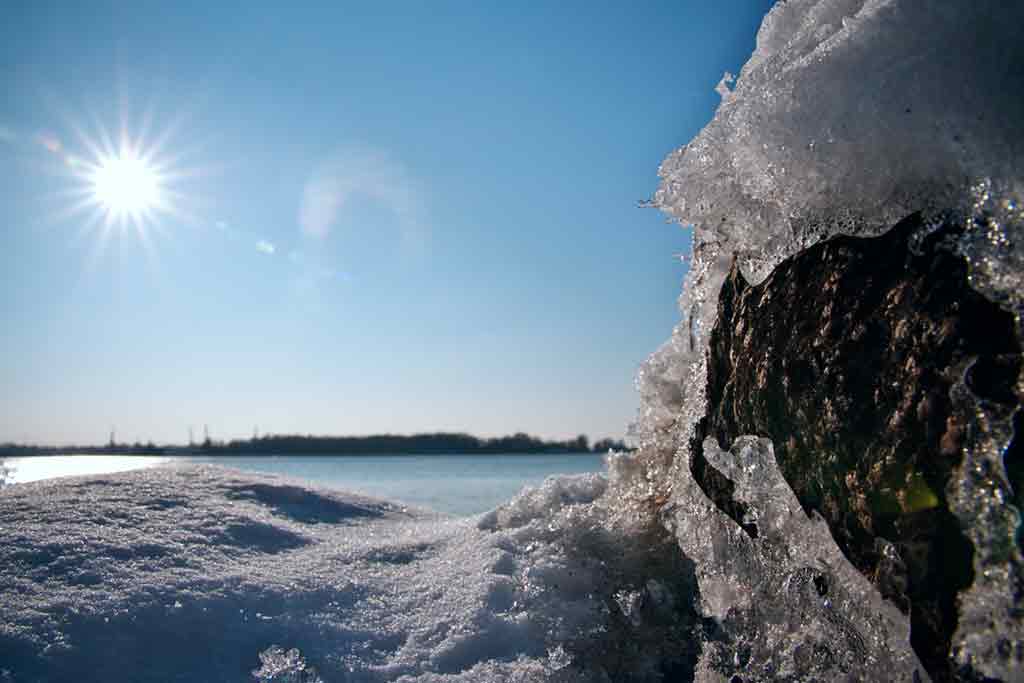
<point x="455" y="484"/>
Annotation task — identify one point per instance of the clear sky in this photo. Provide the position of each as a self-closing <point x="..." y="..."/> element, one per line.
<point x="342" y="218"/>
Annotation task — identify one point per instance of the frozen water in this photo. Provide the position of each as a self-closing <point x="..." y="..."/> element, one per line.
<point x="787" y="604"/>
<point x="990" y="634"/>
<point x="849" y="116"/>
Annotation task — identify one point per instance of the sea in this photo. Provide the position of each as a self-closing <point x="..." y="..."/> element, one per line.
<point x="460" y="485"/>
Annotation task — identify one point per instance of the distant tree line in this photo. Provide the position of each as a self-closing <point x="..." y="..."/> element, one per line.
<point x="418" y="444"/>
<point x="377" y="444"/>
<point x="13" y="450"/>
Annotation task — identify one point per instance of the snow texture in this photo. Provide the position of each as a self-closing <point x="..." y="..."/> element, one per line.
<point x="201" y="573"/>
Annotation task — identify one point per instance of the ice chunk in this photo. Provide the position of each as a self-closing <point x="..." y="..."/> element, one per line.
<point x="850" y="115"/>
<point x="785" y="603"/>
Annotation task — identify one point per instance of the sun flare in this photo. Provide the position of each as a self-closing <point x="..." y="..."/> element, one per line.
<point x="125" y="185"/>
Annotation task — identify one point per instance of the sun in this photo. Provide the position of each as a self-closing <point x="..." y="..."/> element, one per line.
<point x="138" y="181"/>
<point x="125" y="185"/>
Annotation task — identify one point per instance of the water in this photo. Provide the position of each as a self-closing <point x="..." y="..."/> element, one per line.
<point x="35" y="468"/>
<point x="456" y="484"/>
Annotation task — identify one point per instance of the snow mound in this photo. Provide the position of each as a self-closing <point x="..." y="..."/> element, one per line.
<point x="203" y="573"/>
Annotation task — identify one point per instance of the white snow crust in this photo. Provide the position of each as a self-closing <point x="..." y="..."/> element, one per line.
<point x="202" y="573"/>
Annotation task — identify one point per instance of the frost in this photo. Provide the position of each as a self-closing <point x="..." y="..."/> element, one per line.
<point x="278" y="666"/>
<point x="990" y="632"/>
<point x="558" y="658"/>
<point x="992" y="245"/>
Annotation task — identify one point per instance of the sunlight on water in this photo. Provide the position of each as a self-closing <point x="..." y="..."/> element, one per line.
<point x="453" y="484"/>
<point x="35" y="468"/>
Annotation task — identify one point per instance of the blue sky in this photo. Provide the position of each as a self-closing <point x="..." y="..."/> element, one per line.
<point x="390" y="217"/>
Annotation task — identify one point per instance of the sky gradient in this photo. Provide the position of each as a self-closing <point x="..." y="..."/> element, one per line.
<point x="380" y="218"/>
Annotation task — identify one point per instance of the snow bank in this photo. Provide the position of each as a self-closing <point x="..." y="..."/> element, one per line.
<point x="200" y="573"/>
<point x="170" y="569"/>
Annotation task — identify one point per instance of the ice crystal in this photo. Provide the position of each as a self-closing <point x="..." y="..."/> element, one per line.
<point x="849" y="116"/>
<point x="784" y="604"/>
<point x="279" y="666"/>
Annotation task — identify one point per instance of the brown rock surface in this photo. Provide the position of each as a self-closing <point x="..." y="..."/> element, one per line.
<point x="845" y="357"/>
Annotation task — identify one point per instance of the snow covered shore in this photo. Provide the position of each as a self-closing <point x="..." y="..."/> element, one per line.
<point x="189" y="573"/>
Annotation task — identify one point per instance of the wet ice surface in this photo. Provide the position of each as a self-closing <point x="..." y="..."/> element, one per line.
<point x="190" y="573"/>
<point x="786" y="604"/>
<point x="849" y="116"/>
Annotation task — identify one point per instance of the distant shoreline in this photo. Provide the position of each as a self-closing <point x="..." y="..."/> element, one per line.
<point x="378" y="444"/>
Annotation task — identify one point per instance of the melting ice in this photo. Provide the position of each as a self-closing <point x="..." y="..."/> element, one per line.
<point x="849" y="116"/>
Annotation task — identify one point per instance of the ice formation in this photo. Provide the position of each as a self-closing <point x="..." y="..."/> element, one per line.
<point x="787" y="604"/>
<point x="850" y="115"/>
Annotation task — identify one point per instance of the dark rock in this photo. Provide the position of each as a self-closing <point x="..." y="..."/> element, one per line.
<point x="845" y="357"/>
